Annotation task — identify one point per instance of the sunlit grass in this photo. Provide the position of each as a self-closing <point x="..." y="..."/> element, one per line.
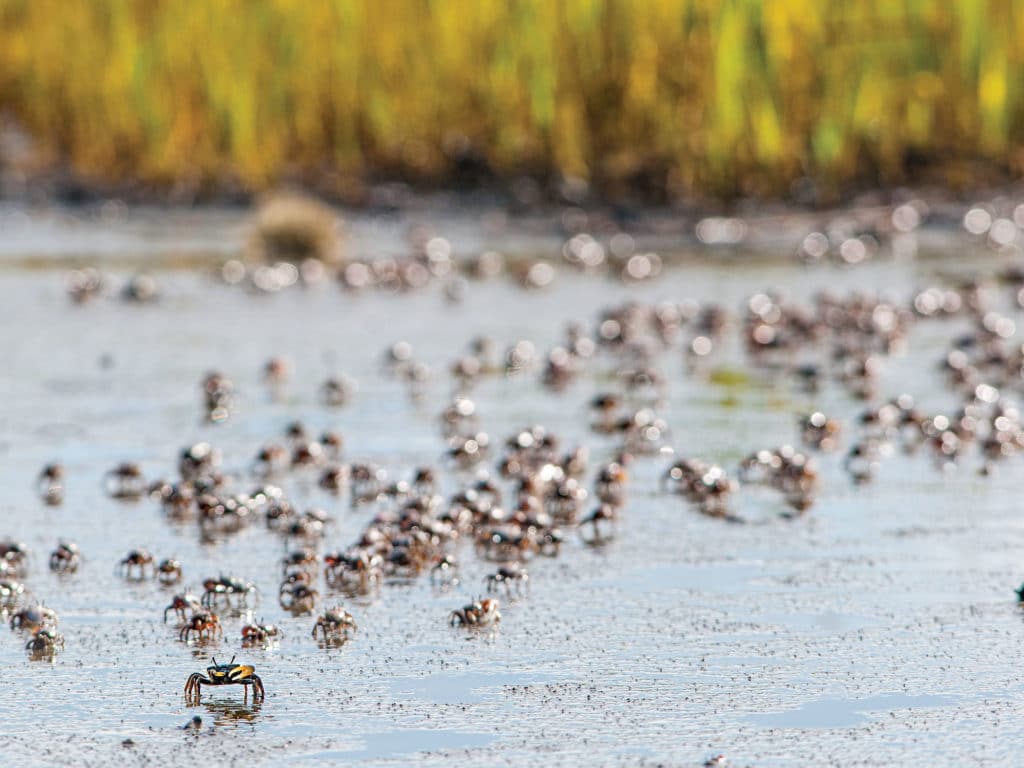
<point x="699" y="96"/>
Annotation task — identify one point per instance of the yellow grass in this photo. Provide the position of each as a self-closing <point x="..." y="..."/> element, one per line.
<point x="726" y="97"/>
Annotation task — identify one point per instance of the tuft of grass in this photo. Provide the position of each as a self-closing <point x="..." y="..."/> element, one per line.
<point x="291" y="227"/>
<point x="723" y="97"/>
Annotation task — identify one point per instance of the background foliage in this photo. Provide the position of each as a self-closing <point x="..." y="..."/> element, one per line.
<point x="696" y="96"/>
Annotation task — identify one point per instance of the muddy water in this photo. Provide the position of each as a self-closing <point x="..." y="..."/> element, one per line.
<point x="880" y="628"/>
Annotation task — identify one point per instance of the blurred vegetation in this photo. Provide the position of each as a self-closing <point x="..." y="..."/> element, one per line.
<point x="681" y="97"/>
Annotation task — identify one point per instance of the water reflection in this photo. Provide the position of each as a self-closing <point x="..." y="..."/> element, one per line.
<point x="232" y="713"/>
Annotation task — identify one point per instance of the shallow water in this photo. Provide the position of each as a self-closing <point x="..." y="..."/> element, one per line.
<point x="879" y="628"/>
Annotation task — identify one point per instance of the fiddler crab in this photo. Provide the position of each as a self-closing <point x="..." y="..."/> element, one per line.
<point x="591" y="529"/>
<point x="65" y="558"/>
<point x="181" y="604"/>
<point x="357" y="570"/>
<point x="135" y="562"/>
<point x="225" y="587"/>
<point x="337" y="391"/>
<point x="477" y="614"/>
<point x="50" y="484"/>
<point x="168" y="572"/>
<point x="334" y="625"/>
<point x="13" y="558"/>
<point x="512" y="576"/>
<point x="225" y="674"/>
<point x="298" y="597"/>
<point x="44" y="642"/>
<point x="258" y="633"/>
<point x="204" y="624"/>
<point x="34" y="618"/>
<point x="125" y="482"/>
<point x="445" y="572"/>
<point x="11" y="592"/>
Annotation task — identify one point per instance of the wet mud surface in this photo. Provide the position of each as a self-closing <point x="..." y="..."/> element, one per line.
<point x="879" y="628"/>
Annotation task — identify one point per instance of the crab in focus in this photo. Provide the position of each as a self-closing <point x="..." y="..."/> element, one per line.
<point x="224" y="674"/>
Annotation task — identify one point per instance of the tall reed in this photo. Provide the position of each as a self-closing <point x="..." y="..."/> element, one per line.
<point x="704" y="96"/>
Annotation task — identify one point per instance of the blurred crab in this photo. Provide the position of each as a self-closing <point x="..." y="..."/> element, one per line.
<point x="33" y="618"/>
<point x="258" y="634"/>
<point x="335" y="624"/>
<point x="298" y="598"/>
<point x="445" y="572"/>
<point x="357" y="570"/>
<point x="223" y="588"/>
<point x="204" y="625"/>
<point x="13" y="558"/>
<point x="125" y="482"/>
<point x="477" y="614"/>
<point x="50" y="484"/>
<point x="65" y="558"/>
<point x="512" y="576"/>
<point x="45" y="640"/>
<point x="136" y="561"/>
<point x="181" y="604"/>
<point x="591" y="529"/>
<point x="168" y="572"/>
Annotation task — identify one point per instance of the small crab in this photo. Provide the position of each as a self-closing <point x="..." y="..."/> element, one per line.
<point x="65" y="558"/>
<point x="337" y="391"/>
<point x="445" y="572"/>
<point x="137" y="560"/>
<point x="218" y="394"/>
<point x="225" y="674"/>
<point x="335" y="624"/>
<point x="275" y="375"/>
<point x="44" y="641"/>
<point x="10" y="592"/>
<point x="259" y="633"/>
<point x="225" y="587"/>
<point x="298" y="598"/>
<point x="51" y="484"/>
<point x="299" y="560"/>
<point x="168" y="571"/>
<point x="355" y="570"/>
<point x="591" y="526"/>
<point x="511" y="576"/>
<point x="33" y="618"/>
<point x="203" y="624"/>
<point x="13" y="558"/>
<point x="125" y="482"/>
<point x="477" y="614"/>
<point x="182" y="603"/>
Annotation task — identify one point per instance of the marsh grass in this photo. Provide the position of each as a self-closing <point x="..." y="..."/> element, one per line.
<point x="719" y="97"/>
